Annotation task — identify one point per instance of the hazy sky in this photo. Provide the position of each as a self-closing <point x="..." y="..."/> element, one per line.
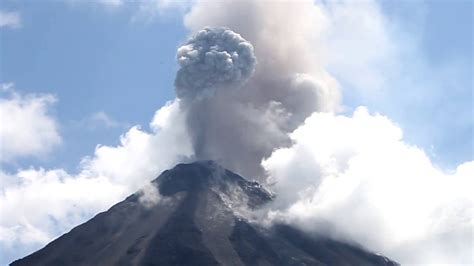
<point x="82" y="73"/>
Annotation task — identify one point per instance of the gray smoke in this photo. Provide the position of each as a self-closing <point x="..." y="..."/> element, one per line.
<point x="214" y="57"/>
<point x="239" y="111"/>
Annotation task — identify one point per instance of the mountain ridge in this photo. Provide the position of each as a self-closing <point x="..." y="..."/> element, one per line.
<point x="196" y="221"/>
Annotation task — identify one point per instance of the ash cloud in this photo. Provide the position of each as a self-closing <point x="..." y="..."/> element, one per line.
<point x="214" y="57"/>
<point x="239" y="111"/>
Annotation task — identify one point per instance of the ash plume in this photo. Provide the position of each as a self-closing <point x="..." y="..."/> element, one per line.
<point x="238" y="111"/>
<point x="214" y="57"/>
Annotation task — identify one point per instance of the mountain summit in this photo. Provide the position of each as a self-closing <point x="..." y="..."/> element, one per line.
<point x="197" y="218"/>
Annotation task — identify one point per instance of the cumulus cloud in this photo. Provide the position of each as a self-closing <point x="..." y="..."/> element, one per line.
<point x="10" y="19"/>
<point x="357" y="176"/>
<point x="37" y="205"/>
<point x="141" y="155"/>
<point x="64" y="201"/>
<point x="28" y="128"/>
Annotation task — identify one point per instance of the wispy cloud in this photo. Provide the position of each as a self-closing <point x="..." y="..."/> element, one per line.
<point x="142" y="10"/>
<point x="112" y="3"/>
<point x="148" y="10"/>
<point x="101" y="119"/>
<point x="10" y="19"/>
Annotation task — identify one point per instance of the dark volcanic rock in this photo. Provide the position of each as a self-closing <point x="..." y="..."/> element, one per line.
<point x="196" y="222"/>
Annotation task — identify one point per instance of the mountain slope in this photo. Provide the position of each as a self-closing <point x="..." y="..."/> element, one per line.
<point x="197" y="221"/>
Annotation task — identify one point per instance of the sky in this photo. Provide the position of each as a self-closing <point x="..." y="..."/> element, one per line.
<point x="81" y="80"/>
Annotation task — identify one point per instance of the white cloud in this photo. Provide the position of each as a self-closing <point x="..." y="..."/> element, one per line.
<point x="112" y="3"/>
<point x="43" y="203"/>
<point x="149" y="10"/>
<point x="104" y="119"/>
<point x="10" y="19"/>
<point x="141" y="155"/>
<point x="143" y="10"/>
<point x="37" y="205"/>
<point x="357" y="174"/>
<point x="100" y="120"/>
<point x="27" y="128"/>
<point x="109" y="4"/>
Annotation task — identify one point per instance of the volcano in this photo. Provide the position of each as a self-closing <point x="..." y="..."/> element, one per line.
<point x="199" y="219"/>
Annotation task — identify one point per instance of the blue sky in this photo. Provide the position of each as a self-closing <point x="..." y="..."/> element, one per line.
<point x="111" y="66"/>
<point x="446" y="45"/>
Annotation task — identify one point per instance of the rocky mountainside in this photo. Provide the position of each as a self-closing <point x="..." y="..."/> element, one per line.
<point x="198" y="219"/>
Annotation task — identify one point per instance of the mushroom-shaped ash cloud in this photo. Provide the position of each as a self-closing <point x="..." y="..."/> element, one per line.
<point x="215" y="58"/>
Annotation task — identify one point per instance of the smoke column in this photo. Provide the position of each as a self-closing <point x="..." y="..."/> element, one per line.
<point x="239" y="111"/>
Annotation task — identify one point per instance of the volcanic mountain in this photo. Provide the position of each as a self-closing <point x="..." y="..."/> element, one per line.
<point x="199" y="219"/>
